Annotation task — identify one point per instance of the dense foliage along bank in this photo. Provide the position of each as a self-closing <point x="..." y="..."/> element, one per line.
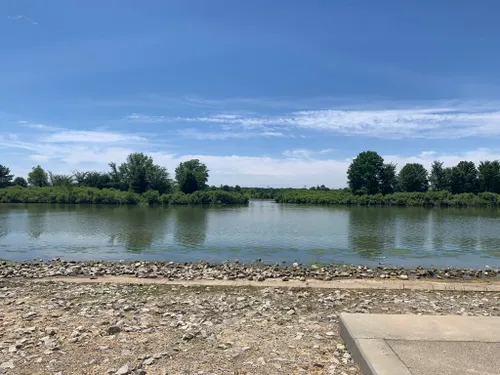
<point x="88" y="195"/>
<point x="429" y="198"/>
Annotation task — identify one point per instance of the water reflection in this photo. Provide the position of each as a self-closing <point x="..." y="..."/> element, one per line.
<point x="190" y="225"/>
<point x="4" y="229"/>
<point x="369" y="231"/>
<point x="264" y="229"/>
<point x="411" y="229"/>
<point x="137" y="227"/>
<point x="36" y="220"/>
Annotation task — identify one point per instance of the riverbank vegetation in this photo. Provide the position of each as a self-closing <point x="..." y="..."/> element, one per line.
<point x="429" y="198"/>
<point x="89" y="195"/>
<point x="137" y="181"/>
<point x="371" y="181"/>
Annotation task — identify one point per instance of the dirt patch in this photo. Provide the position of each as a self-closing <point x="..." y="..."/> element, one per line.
<point x="483" y="285"/>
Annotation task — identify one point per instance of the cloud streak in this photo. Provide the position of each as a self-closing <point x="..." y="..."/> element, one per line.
<point x="145" y="119"/>
<point x="303" y="153"/>
<point x="226" y="135"/>
<point x="76" y="136"/>
<point x="425" y="123"/>
<point x="69" y="150"/>
<point x="21" y="17"/>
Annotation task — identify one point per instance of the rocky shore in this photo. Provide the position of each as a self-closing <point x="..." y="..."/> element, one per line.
<point x="85" y="323"/>
<point x="63" y="328"/>
<point x="255" y="271"/>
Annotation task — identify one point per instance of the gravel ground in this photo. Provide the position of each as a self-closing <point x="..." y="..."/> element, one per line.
<point x="255" y="271"/>
<point x="73" y="328"/>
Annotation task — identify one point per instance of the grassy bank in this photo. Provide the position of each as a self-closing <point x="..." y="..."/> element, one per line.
<point x="87" y="195"/>
<point x="430" y="198"/>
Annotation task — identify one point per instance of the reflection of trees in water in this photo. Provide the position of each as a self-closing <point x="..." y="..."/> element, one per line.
<point x="37" y="219"/>
<point x="137" y="227"/>
<point x="460" y="230"/>
<point x="190" y="225"/>
<point x="4" y="230"/>
<point x="370" y="230"/>
<point x="42" y="218"/>
<point x="413" y="228"/>
<point x="375" y="230"/>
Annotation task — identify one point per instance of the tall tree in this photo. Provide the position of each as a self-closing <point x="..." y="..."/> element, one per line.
<point x="191" y="175"/>
<point x="93" y="179"/>
<point x="413" y="177"/>
<point x="38" y="177"/>
<point x="20" y="181"/>
<point x="463" y="178"/>
<point x="5" y="176"/>
<point x="141" y="174"/>
<point x="364" y="172"/>
<point x="438" y="178"/>
<point x="368" y="174"/>
<point x="489" y="176"/>
<point x="60" y="179"/>
<point x="159" y="179"/>
<point x="388" y="179"/>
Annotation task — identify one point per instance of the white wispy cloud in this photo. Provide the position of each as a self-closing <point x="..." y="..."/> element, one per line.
<point x="64" y="150"/>
<point x="326" y="151"/>
<point x="146" y="119"/>
<point x="81" y="136"/>
<point x="39" y="158"/>
<point x="21" y="17"/>
<point x="306" y="153"/>
<point x="225" y="135"/>
<point x="79" y="150"/>
<point x="48" y="128"/>
<point x="231" y="119"/>
<point x="427" y="123"/>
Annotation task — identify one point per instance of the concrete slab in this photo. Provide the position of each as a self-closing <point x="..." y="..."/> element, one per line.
<point x="448" y="357"/>
<point x="421" y="345"/>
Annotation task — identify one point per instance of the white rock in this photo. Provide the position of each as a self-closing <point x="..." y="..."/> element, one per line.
<point x="7" y="365"/>
<point x="149" y="361"/>
<point x="124" y="370"/>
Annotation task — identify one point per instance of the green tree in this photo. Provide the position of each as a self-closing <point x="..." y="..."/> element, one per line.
<point x="368" y="174"/>
<point x="191" y="175"/>
<point x="159" y="179"/>
<point x="140" y="174"/>
<point x="364" y="172"/>
<point x="38" y="177"/>
<point x="438" y="177"/>
<point x="60" y="179"/>
<point x="98" y="180"/>
<point x="19" y="181"/>
<point x="5" y="176"/>
<point x="388" y="179"/>
<point x="463" y="178"/>
<point x="489" y="176"/>
<point x="413" y="177"/>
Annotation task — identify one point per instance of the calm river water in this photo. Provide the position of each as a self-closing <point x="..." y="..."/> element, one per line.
<point x="267" y="230"/>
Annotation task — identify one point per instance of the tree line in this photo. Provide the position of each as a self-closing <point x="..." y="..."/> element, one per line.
<point x="138" y="174"/>
<point x="369" y="174"/>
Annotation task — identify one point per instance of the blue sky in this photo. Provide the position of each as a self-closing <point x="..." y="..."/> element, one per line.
<point x="267" y="93"/>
